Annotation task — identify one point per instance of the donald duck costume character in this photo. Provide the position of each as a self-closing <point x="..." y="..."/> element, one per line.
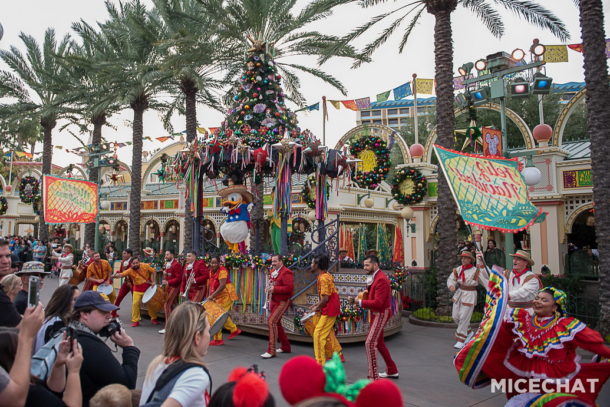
<point x="236" y="203"/>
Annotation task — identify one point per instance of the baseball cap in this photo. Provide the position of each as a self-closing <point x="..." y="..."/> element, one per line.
<point x="94" y="299"/>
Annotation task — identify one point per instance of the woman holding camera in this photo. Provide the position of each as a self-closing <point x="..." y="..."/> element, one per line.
<point x="185" y="344"/>
<point x="57" y="313"/>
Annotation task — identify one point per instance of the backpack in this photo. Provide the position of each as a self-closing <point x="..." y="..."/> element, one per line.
<point x="167" y="380"/>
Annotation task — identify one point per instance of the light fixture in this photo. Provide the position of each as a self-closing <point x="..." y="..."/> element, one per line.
<point x="542" y="84"/>
<point x="519" y="88"/>
<point x="465" y="69"/>
<point x="461" y="100"/>
<point x="518" y="54"/>
<point x="480" y="95"/>
<point x="499" y="61"/>
<point x="480" y="65"/>
<point x="537" y="49"/>
<point x="531" y="175"/>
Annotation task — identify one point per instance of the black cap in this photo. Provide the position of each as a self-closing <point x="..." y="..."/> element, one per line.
<point x="94" y="299"/>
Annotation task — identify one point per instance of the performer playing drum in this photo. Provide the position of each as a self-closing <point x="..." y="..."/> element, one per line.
<point x="281" y="288"/>
<point x="172" y="279"/>
<point x="142" y="275"/>
<point x="327" y="310"/>
<point x="222" y="292"/>
<point x="99" y="272"/>
<point x="127" y="283"/>
<point x="194" y="278"/>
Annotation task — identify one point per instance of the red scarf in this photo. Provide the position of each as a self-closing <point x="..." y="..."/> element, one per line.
<point x="518" y="274"/>
<point x="462" y="274"/>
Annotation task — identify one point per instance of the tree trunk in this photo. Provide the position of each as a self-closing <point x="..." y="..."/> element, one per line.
<point x="190" y="91"/>
<point x="135" y="195"/>
<point x="598" y="123"/>
<point x="48" y="124"/>
<point x="258" y="216"/>
<point x="98" y="122"/>
<point x="443" y="60"/>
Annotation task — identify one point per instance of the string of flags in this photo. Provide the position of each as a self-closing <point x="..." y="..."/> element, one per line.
<point x="559" y="53"/>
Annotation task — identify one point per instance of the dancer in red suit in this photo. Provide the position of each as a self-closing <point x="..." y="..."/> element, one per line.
<point x="127" y="283"/>
<point x="378" y="301"/>
<point x="280" y="289"/>
<point x="172" y="278"/>
<point x="201" y="275"/>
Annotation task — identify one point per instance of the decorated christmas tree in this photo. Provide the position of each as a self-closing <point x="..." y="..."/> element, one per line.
<point x="259" y="115"/>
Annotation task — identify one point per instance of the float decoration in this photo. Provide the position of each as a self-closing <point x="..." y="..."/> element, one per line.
<point x="398" y="278"/>
<point x="375" y="165"/>
<point x="409" y="186"/>
<point x="29" y="188"/>
<point x="236" y="203"/>
<point x="309" y="191"/>
<point x="3" y="205"/>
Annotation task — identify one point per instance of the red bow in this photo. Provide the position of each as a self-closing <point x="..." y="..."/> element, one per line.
<point x="462" y="275"/>
<point x="518" y="274"/>
<point x="235" y="211"/>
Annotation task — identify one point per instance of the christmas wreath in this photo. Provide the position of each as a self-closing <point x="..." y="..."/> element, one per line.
<point x="29" y="188"/>
<point x="309" y="191"/>
<point x="3" y="205"/>
<point x="397" y="279"/>
<point x="375" y="156"/>
<point x="408" y="186"/>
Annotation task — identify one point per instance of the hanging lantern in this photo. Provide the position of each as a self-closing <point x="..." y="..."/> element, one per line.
<point x="531" y="175"/>
<point x="407" y="212"/>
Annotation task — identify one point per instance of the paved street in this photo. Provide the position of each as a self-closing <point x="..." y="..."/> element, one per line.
<point x="423" y="355"/>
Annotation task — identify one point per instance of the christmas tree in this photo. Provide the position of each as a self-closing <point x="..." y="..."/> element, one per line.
<point x="259" y="115"/>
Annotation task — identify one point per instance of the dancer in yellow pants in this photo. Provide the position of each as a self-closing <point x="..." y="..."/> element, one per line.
<point x="142" y="276"/>
<point x="222" y="292"/>
<point x="325" y="342"/>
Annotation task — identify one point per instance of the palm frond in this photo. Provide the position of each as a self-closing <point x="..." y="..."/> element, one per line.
<point x="538" y="15"/>
<point x="487" y="14"/>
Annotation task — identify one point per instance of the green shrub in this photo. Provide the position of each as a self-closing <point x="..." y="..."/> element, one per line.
<point x="444" y="318"/>
<point x="426" y="314"/>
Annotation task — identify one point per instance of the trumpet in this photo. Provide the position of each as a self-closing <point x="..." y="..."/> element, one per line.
<point x="189" y="283"/>
<point x="268" y="293"/>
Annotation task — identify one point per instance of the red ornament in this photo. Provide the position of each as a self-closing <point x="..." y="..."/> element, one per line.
<point x="260" y="156"/>
<point x="277" y="114"/>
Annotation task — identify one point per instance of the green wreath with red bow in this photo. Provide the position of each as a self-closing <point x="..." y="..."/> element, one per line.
<point x="3" y="205"/>
<point x="409" y="186"/>
<point x="371" y="145"/>
<point x="29" y="188"/>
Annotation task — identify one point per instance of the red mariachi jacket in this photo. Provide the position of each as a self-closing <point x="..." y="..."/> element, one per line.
<point x="174" y="274"/>
<point x="201" y="276"/>
<point x="379" y="293"/>
<point x="283" y="285"/>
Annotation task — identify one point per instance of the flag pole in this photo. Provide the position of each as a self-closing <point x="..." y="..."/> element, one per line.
<point x="324" y="116"/>
<point x="10" y="170"/>
<point x="415" y="118"/>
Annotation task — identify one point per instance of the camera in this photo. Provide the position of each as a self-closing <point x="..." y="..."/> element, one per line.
<point x="33" y="293"/>
<point x="113" y="327"/>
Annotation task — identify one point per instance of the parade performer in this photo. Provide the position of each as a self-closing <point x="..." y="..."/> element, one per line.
<point x="82" y="266"/>
<point x="327" y="310"/>
<point x="377" y="298"/>
<point x="279" y="289"/>
<point x="222" y="292"/>
<point x="463" y="282"/>
<point x="66" y="261"/>
<point x="99" y="272"/>
<point x="523" y="283"/>
<point x="172" y="278"/>
<point x="236" y="201"/>
<point x="194" y="278"/>
<point x="142" y="276"/>
<point x="513" y="344"/>
<point x="127" y="257"/>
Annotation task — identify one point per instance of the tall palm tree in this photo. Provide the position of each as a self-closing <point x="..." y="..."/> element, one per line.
<point x="193" y="59"/>
<point x="284" y="31"/>
<point x="598" y="120"/>
<point x="132" y="76"/>
<point x="443" y="61"/>
<point x="33" y="84"/>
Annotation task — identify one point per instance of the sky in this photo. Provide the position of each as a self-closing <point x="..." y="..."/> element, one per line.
<point x="387" y="70"/>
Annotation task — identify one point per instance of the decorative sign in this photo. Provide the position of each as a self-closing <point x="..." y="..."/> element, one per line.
<point x="169" y="204"/>
<point x="577" y="179"/>
<point x="490" y="192"/>
<point x="69" y="200"/>
<point x="492" y="142"/>
<point x="149" y="204"/>
<point x="118" y="206"/>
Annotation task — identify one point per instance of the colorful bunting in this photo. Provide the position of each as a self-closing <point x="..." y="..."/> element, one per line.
<point x="402" y="91"/>
<point x="556" y="53"/>
<point x="164" y="139"/>
<point x="425" y="86"/>
<point x="382" y="97"/>
<point x="336" y="104"/>
<point x="202" y="130"/>
<point x="363" y="103"/>
<point x="579" y="48"/>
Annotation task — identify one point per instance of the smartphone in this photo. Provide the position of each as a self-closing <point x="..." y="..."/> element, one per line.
<point x="33" y="293"/>
<point x="70" y="336"/>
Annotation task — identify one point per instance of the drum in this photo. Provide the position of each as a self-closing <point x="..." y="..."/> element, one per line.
<point x="154" y="297"/>
<point x="216" y="316"/>
<point x="106" y="289"/>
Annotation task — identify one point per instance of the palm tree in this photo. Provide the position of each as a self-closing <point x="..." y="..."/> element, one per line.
<point x="193" y="57"/>
<point x="283" y="30"/>
<point x="33" y="84"/>
<point x="130" y="70"/>
<point x="598" y="120"/>
<point x="443" y="60"/>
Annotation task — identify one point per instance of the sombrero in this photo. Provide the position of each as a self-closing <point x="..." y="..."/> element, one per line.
<point x="467" y="253"/>
<point x="522" y="254"/>
<point x="32" y="267"/>
<point x="149" y="251"/>
<point x="240" y="189"/>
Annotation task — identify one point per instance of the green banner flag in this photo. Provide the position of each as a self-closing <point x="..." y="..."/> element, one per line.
<point x="382" y="97"/>
<point x="490" y="192"/>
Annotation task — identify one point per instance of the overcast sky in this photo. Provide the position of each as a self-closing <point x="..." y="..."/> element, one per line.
<point x="388" y="69"/>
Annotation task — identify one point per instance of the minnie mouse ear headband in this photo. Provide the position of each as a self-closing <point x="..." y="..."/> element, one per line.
<point x="250" y="389"/>
<point x="330" y="381"/>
